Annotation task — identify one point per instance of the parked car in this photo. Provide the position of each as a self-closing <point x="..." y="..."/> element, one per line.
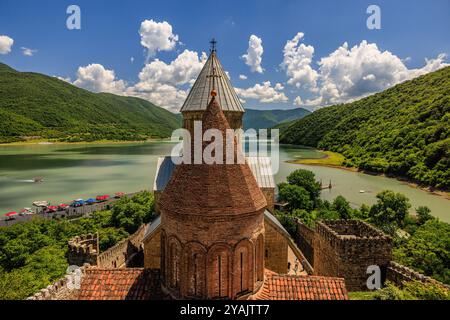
<point x="78" y="203"/>
<point x="11" y="215"/>
<point x="119" y="195"/>
<point x="26" y="212"/>
<point x="62" y="207"/>
<point x="91" y="201"/>
<point x="103" y="198"/>
<point x="51" y="209"/>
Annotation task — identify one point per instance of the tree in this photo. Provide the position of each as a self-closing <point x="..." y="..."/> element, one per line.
<point x="342" y="206"/>
<point x="427" y="250"/>
<point x="296" y="196"/>
<point x="307" y="180"/>
<point x="131" y="213"/>
<point x="390" y="210"/>
<point x="423" y="215"/>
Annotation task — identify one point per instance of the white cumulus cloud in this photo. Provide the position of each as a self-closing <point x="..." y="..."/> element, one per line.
<point x="242" y="77"/>
<point x="28" y="52"/>
<point x="264" y="93"/>
<point x="298" y="101"/>
<point x="6" y="44"/>
<point x="157" y="36"/>
<point x="297" y="63"/>
<point x="253" y="58"/>
<point x="96" y="78"/>
<point x="347" y="73"/>
<point x="351" y="73"/>
<point x="162" y="83"/>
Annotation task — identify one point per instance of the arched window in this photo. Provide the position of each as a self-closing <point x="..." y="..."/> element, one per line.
<point x="243" y="267"/>
<point x="163" y="255"/>
<point x="174" y="263"/>
<point x="218" y="267"/>
<point x="260" y="258"/>
<point x="195" y="254"/>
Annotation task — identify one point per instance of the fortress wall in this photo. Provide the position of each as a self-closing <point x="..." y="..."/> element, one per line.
<point x="346" y="248"/>
<point x="119" y="255"/>
<point x="66" y="288"/>
<point x="304" y="239"/>
<point x="276" y="250"/>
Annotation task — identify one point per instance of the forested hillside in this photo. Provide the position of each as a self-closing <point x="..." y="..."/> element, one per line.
<point x="264" y="119"/>
<point x="403" y="131"/>
<point x="35" y="105"/>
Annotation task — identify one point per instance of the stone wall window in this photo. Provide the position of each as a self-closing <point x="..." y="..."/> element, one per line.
<point x="218" y="268"/>
<point x="163" y="255"/>
<point x="174" y="265"/>
<point x="196" y="281"/>
<point x="259" y="261"/>
<point x="243" y="267"/>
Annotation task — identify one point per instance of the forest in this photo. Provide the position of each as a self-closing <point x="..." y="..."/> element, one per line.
<point x="402" y="132"/>
<point x="36" y="106"/>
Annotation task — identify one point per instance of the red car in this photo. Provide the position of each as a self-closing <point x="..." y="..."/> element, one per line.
<point x="102" y="198"/>
<point x="62" y="207"/>
<point x="119" y="195"/>
<point x="51" y="209"/>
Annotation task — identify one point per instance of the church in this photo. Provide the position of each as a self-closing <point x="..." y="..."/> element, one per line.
<point x="215" y="236"/>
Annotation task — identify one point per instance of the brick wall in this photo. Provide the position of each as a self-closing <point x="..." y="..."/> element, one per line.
<point x="346" y="248"/>
<point x="83" y="249"/>
<point x="119" y="255"/>
<point x="152" y="251"/>
<point x="276" y="250"/>
<point x="397" y="274"/>
<point x="304" y="239"/>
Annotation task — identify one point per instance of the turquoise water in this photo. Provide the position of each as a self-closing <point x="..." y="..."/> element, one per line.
<point x="82" y="171"/>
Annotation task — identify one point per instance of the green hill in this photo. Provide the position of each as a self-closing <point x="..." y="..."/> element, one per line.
<point x="36" y="105"/>
<point x="263" y="119"/>
<point x="403" y="131"/>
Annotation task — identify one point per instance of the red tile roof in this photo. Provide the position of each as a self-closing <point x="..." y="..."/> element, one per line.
<point x="213" y="189"/>
<point x="287" y="287"/>
<point x="120" y="284"/>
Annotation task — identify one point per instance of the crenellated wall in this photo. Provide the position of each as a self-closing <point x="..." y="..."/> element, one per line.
<point x="83" y="249"/>
<point x="346" y="248"/>
<point x="64" y="289"/>
<point x="123" y="252"/>
<point x="304" y="238"/>
<point x="398" y="274"/>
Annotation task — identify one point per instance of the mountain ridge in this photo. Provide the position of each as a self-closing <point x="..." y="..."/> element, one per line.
<point x="403" y="131"/>
<point x="37" y="105"/>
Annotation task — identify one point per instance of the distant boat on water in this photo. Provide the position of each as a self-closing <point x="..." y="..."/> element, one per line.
<point x="38" y="179"/>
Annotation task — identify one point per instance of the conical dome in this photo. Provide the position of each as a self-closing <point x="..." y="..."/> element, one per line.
<point x="213" y="189"/>
<point x="199" y="95"/>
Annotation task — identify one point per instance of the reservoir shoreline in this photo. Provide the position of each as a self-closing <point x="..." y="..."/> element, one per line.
<point x="322" y="163"/>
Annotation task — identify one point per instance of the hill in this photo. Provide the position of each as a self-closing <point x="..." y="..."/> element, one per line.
<point x="403" y="131"/>
<point x="263" y="119"/>
<point x="36" y="105"/>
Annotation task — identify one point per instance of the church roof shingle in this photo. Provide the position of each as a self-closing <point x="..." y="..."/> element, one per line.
<point x="120" y="284"/>
<point x="199" y="96"/>
<point x="288" y="287"/>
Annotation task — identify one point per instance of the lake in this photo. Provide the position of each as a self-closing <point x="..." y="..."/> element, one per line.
<point x="87" y="170"/>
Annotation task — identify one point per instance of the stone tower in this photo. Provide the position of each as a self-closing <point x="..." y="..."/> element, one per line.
<point x="212" y="75"/>
<point x="212" y="225"/>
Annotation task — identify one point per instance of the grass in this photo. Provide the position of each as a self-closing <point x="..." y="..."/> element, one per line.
<point x="329" y="159"/>
<point x="361" y="295"/>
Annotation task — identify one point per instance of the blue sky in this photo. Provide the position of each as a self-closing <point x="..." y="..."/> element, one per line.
<point x="411" y="31"/>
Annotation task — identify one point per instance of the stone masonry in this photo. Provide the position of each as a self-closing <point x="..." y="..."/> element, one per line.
<point x="346" y="248"/>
